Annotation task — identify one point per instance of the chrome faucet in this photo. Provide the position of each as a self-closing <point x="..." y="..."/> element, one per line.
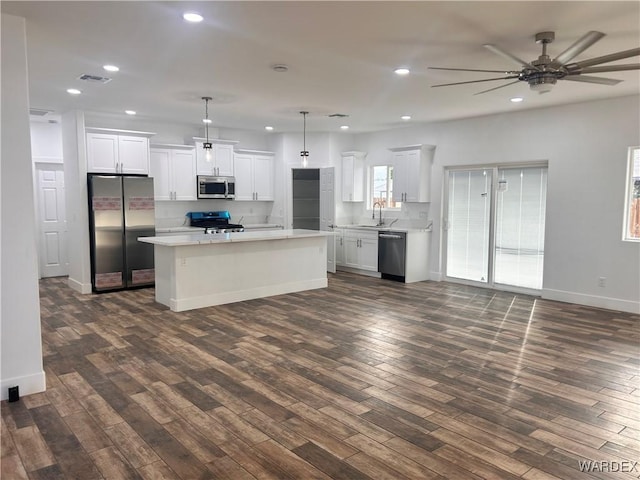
<point x="373" y="214"/>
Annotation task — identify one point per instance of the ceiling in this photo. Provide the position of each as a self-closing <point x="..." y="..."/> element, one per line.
<point x="341" y="57"/>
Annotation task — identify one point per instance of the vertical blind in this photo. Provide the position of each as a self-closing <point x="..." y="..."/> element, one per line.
<point x="468" y="225"/>
<point x="520" y="210"/>
<point x="518" y="236"/>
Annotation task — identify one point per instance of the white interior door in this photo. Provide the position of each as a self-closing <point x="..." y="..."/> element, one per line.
<point x="328" y="213"/>
<point x="52" y="220"/>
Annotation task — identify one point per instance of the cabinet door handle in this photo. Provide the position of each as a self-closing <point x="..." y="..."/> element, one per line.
<point x="256" y="195"/>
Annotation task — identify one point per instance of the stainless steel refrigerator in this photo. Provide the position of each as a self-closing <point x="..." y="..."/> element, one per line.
<point x="121" y="209"/>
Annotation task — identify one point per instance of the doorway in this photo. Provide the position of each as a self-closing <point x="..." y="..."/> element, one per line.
<point x="52" y="221"/>
<point x="313" y="204"/>
<point x="494" y="226"/>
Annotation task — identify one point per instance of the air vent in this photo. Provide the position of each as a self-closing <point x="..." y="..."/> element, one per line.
<point x="94" y="78"/>
<point x="37" y="112"/>
<point x="337" y="115"/>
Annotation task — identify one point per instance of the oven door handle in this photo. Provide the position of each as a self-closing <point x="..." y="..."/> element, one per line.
<point x="390" y="235"/>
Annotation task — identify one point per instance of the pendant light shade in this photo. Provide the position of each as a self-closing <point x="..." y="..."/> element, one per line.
<point x="207" y="146"/>
<point x="304" y="154"/>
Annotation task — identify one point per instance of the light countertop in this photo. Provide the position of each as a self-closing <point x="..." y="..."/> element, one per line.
<point x="384" y="228"/>
<point x="206" y="239"/>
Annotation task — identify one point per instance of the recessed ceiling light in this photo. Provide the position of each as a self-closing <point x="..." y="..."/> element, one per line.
<point x="192" y="17"/>
<point x="517" y="99"/>
<point x="111" y="68"/>
<point x="406" y="117"/>
<point x="344" y="127"/>
<point x="73" y="91"/>
<point x="269" y="128"/>
<point x="130" y="112"/>
<point x="402" y="71"/>
<point x="206" y="120"/>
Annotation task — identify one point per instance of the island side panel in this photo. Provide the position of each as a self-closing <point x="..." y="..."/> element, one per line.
<point x="165" y="263"/>
<point x="218" y="273"/>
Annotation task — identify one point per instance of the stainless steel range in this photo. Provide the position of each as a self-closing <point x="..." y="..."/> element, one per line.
<point x="214" y="222"/>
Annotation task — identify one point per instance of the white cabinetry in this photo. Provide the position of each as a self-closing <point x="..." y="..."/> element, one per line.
<point x="173" y="168"/>
<point x="254" y="175"/>
<point x="117" y="151"/>
<point x="221" y="162"/>
<point x="339" y="246"/>
<point x="361" y="249"/>
<point x="353" y="176"/>
<point x="412" y="173"/>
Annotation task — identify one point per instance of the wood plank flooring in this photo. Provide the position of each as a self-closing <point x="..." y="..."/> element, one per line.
<point x="367" y="379"/>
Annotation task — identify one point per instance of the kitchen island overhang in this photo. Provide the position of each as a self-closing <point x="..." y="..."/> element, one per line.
<point x="196" y="271"/>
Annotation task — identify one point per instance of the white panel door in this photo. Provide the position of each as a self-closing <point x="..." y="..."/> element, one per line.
<point x="263" y="177"/>
<point x="183" y="171"/>
<point x="328" y="213"/>
<point x="244" y="177"/>
<point x="133" y="153"/>
<point x="102" y="153"/>
<point x="52" y="221"/>
<point x="160" y="170"/>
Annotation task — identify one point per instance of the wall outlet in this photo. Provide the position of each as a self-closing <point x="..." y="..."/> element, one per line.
<point x="602" y="281"/>
<point x="423" y="214"/>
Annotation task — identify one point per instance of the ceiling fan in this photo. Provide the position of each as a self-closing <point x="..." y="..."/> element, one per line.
<point x="543" y="73"/>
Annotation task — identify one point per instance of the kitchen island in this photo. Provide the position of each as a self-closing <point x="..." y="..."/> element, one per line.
<point x="201" y="270"/>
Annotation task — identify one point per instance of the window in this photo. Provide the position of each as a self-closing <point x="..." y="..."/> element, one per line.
<point x="382" y="187"/>
<point x="632" y="207"/>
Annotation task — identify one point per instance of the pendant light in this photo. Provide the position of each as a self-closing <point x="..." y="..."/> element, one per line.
<point x="304" y="154"/>
<point x="207" y="146"/>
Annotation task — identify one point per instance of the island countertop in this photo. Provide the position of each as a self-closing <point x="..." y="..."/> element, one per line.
<point x="207" y="239"/>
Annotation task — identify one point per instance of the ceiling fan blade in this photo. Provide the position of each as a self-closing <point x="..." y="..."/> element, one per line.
<point x="578" y="47"/>
<point x="634" y="52"/>
<point x="609" y="68"/>
<point x="496" y="88"/>
<point x="503" y="53"/>
<point x="474" y="70"/>
<point x="599" y="80"/>
<point x="475" y="81"/>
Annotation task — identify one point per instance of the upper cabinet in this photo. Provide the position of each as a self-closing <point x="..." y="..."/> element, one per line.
<point x="221" y="161"/>
<point x="173" y="168"/>
<point x="412" y="173"/>
<point x="353" y="176"/>
<point x="117" y="151"/>
<point x="254" y="173"/>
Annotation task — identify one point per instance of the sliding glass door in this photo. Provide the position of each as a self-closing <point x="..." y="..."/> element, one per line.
<point x="495" y="225"/>
<point x="468" y="225"/>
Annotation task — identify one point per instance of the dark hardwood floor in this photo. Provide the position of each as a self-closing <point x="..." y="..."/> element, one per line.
<point x="367" y="379"/>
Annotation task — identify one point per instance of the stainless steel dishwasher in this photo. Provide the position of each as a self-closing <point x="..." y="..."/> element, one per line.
<point x="392" y="255"/>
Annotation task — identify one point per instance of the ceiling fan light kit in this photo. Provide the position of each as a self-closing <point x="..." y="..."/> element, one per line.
<point x="543" y="73"/>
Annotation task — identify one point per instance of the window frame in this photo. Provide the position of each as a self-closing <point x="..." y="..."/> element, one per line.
<point x="370" y="189"/>
<point x="628" y="197"/>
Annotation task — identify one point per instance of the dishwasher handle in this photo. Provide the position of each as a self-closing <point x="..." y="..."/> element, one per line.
<point x="390" y="235"/>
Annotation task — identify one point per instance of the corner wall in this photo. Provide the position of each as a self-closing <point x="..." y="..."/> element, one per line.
<point x="21" y="345"/>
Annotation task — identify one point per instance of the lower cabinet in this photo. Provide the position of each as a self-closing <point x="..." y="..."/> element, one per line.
<point x="339" y="235"/>
<point x="360" y="250"/>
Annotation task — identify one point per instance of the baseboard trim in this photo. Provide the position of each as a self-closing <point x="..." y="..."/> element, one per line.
<point x="28" y="384"/>
<point x="79" y="287"/>
<point x="591" y="300"/>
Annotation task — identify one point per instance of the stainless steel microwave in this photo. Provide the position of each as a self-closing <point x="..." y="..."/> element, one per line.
<point x="216" y="187"/>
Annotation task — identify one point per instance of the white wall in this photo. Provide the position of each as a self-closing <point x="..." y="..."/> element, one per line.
<point x="20" y="341"/>
<point x="46" y="141"/>
<point x="586" y="147"/>
<point x="76" y="200"/>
